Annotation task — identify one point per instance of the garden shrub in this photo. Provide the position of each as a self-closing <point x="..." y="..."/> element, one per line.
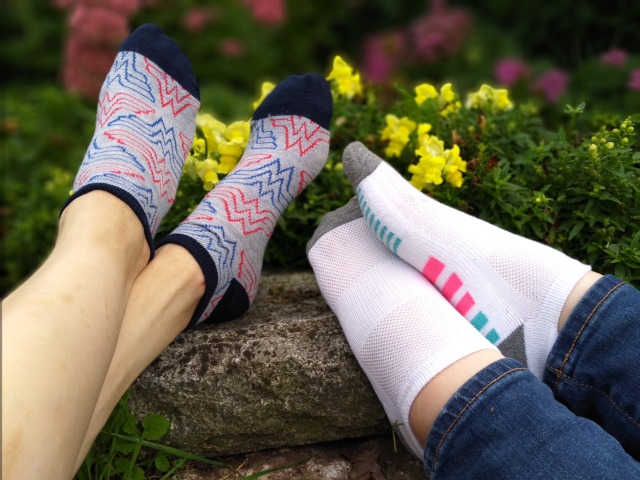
<point x="500" y="161"/>
<point x="479" y="152"/>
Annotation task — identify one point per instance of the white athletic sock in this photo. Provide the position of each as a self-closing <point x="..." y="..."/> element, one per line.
<point x="400" y="329"/>
<point x="510" y="288"/>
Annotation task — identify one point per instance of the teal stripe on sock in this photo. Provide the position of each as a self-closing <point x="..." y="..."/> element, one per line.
<point x="371" y="219"/>
<point x="493" y="336"/>
<point x="479" y="321"/>
<point x="396" y="244"/>
<point x="376" y="226"/>
<point x="382" y="232"/>
<point x="367" y="212"/>
<point x="389" y="237"/>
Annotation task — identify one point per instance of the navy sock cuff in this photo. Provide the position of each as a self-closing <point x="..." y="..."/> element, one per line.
<point x="149" y="40"/>
<point x="126" y="197"/>
<point x="207" y="265"/>
<point x="306" y="95"/>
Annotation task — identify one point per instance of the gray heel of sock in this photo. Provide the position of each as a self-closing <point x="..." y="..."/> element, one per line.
<point x="348" y="212"/>
<point x="359" y="162"/>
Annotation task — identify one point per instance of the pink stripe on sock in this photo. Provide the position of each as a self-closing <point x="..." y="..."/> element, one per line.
<point x="432" y="269"/>
<point x="465" y="304"/>
<point x="451" y="286"/>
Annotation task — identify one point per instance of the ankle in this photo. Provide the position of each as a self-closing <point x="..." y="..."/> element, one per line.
<point x="101" y="221"/>
<point x="581" y="288"/>
<point x="434" y="396"/>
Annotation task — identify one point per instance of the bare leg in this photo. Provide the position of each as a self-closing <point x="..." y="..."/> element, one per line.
<point x="585" y="283"/>
<point x="59" y="332"/>
<point x="433" y="397"/>
<point x="161" y="304"/>
<point x="435" y="394"/>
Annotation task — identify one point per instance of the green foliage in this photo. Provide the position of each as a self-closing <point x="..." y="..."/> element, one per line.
<point x="576" y="193"/>
<point x="126" y="449"/>
<point x="43" y="133"/>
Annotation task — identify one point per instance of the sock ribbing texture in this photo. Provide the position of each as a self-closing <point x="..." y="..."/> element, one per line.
<point x="144" y="127"/>
<point x="400" y="329"/>
<point x="505" y="285"/>
<point x="228" y="232"/>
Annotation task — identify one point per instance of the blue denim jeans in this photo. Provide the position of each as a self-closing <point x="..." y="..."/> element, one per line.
<point x="583" y="422"/>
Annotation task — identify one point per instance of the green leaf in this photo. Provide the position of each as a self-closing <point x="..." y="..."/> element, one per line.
<point x="155" y="426"/>
<point x="130" y="426"/>
<point x="124" y="446"/>
<point x="122" y="464"/>
<point x="138" y="474"/>
<point x="162" y="464"/>
<point x="577" y="228"/>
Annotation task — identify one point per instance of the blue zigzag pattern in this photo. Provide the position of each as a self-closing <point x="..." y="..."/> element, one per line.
<point x="262" y="137"/>
<point x="271" y="181"/>
<point x="126" y="74"/>
<point x="215" y="239"/>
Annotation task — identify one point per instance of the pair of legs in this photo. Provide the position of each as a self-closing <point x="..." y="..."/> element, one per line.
<point x="431" y="301"/>
<point x="105" y="304"/>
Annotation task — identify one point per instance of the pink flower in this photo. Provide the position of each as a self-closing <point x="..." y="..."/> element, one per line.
<point x="99" y="25"/>
<point x="196" y="19"/>
<point x="615" y="57"/>
<point x="634" y="80"/>
<point x="510" y="71"/>
<point x="382" y="54"/>
<point x="552" y="84"/>
<point x="268" y="12"/>
<point x="231" y="47"/>
<point x="439" y="34"/>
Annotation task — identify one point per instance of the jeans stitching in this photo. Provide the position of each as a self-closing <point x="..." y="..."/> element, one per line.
<point x="455" y="420"/>
<point x="602" y="392"/>
<point x="577" y="337"/>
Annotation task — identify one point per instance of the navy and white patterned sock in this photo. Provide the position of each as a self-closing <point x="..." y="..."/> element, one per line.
<point x="145" y="126"/>
<point x="228" y="232"/>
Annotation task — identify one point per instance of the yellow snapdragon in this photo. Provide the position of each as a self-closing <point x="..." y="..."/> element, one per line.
<point x="216" y="149"/>
<point x="396" y="132"/>
<point x="435" y="160"/>
<point x="266" y="89"/>
<point x="489" y="99"/>
<point x="446" y="100"/>
<point x="345" y="80"/>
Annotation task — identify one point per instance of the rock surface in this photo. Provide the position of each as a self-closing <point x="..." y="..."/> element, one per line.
<point x="281" y="375"/>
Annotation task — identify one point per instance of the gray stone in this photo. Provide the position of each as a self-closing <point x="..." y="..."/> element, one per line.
<point x="281" y="375"/>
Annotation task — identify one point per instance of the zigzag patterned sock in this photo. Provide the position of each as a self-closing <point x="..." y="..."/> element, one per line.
<point x="144" y="127"/>
<point x="510" y="288"/>
<point x="400" y="329"/>
<point x="228" y="232"/>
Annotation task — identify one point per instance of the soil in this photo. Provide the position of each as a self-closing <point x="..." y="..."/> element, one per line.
<point x="357" y="459"/>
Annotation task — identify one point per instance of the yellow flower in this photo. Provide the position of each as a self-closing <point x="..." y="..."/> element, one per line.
<point x="447" y="95"/>
<point x="434" y="161"/>
<point x="207" y="170"/>
<point x="212" y="129"/>
<point x="199" y="148"/>
<point x="190" y="167"/>
<point x="236" y="136"/>
<point x="397" y="133"/>
<point x="454" y="166"/>
<point x="489" y="99"/>
<point x="423" y="131"/>
<point x="446" y="99"/>
<point x="347" y="82"/>
<point x="425" y="92"/>
<point x="266" y="89"/>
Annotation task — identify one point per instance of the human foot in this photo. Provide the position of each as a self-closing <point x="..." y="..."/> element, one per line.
<point x="510" y="288"/>
<point x="228" y="232"/>
<point x="399" y="327"/>
<point x="144" y="128"/>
